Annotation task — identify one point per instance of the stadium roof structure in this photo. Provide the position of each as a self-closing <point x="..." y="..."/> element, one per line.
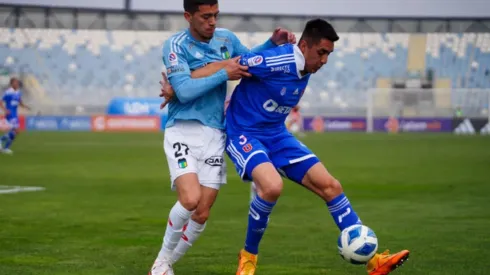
<point x="21" y="16"/>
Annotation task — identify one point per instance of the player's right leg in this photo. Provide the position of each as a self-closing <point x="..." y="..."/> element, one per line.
<point x="197" y="223"/>
<point x="183" y="174"/>
<point x="188" y="190"/>
<point x="252" y="162"/>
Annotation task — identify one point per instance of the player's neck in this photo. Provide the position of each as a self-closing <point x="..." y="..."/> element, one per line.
<point x="198" y="37"/>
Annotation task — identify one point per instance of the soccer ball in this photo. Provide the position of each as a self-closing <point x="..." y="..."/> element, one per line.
<point x="357" y="244"/>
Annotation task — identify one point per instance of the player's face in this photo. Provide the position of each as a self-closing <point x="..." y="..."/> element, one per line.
<point x="316" y="55"/>
<point x="203" y="22"/>
<point x="15" y="84"/>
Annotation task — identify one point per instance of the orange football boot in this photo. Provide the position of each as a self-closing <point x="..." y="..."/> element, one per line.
<point x="247" y="263"/>
<point x="383" y="264"/>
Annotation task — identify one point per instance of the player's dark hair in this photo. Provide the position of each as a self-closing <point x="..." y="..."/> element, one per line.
<point x="318" y="29"/>
<point x="12" y="80"/>
<point x="191" y="6"/>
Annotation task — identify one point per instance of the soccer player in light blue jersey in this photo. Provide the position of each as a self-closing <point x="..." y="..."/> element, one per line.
<point x="11" y="99"/>
<point x="194" y="136"/>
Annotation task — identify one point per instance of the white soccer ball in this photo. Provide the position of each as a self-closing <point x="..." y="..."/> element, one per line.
<point x="357" y="244"/>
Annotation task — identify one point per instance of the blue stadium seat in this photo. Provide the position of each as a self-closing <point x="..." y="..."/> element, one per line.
<point x="92" y="66"/>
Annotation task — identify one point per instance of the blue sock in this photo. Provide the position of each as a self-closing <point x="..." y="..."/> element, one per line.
<point x="11" y="137"/>
<point x="258" y="218"/>
<point x="342" y="212"/>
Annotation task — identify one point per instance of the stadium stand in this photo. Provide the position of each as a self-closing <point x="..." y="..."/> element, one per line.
<point x="69" y="65"/>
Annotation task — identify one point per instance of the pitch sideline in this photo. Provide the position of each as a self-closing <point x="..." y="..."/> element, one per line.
<point x="6" y="189"/>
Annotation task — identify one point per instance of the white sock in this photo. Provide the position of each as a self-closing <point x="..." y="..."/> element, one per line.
<point x="178" y="217"/>
<point x="191" y="234"/>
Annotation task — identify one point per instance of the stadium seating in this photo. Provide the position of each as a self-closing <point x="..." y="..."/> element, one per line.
<point x="93" y="66"/>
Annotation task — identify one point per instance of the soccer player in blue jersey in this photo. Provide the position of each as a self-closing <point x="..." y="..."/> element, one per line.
<point x="263" y="150"/>
<point x="11" y="100"/>
<point x="194" y="136"/>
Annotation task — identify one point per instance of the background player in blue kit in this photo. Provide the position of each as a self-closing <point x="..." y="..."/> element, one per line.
<point x="262" y="149"/>
<point x="11" y="100"/>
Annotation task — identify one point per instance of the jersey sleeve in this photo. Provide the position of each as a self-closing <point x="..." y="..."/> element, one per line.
<point x="5" y="97"/>
<point x="270" y="62"/>
<point x="174" y="59"/>
<point x="186" y="88"/>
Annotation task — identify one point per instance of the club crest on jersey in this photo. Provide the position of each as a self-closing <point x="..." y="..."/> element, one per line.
<point x="254" y="61"/>
<point x="225" y="54"/>
<point x="173" y="59"/>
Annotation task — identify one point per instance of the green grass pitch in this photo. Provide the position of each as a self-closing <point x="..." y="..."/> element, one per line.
<point x="107" y="198"/>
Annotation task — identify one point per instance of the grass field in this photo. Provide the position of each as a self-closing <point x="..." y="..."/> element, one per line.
<point x="107" y="197"/>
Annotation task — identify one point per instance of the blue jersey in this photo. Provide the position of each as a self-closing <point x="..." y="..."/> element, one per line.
<point x="200" y="99"/>
<point x="12" y="99"/>
<point x="262" y="103"/>
<point x="255" y="118"/>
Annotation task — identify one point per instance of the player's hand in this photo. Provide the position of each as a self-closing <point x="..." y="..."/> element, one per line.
<point x="281" y="36"/>
<point x="166" y="90"/>
<point x="236" y="71"/>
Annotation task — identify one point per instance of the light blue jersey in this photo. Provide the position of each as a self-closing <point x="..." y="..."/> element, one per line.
<point x="200" y="99"/>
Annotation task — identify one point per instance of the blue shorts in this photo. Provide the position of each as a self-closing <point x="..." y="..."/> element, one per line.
<point x="13" y="122"/>
<point x="288" y="155"/>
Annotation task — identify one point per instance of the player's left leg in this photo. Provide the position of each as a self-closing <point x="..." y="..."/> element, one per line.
<point x="300" y="165"/>
<point x="252" y="163"/>
<point x="212" y="175"/>
<point x="196" y="224"/>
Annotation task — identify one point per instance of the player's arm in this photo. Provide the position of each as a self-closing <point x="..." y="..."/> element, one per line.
<point x="215" y="67"/>
<point x="2" y="106"/>
<point x="4" y="110"/>
<point x="21" y="104"/>
<point x="279" y="36"/>
<point x="262" y="65"/>
<point x="185" y="87"/>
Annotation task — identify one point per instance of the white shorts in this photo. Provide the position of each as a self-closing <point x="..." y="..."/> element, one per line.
<point x="191" y="147"/>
